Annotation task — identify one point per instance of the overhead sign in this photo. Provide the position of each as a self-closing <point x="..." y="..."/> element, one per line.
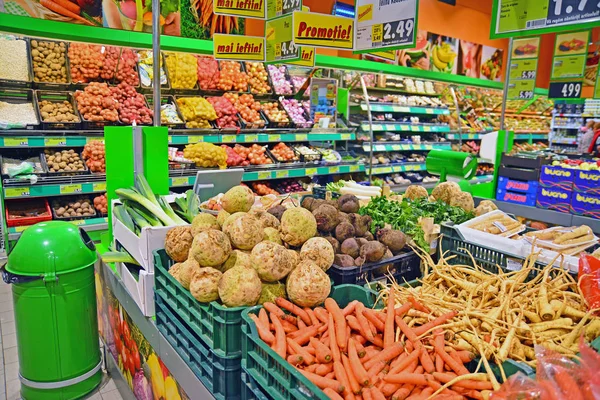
<point x="570" y="53"/>
<point x="276" y="8"/>
<point x="279" y="40"/>
<point x="522" y="70"/>
<point x="385" y="24"/>
<point x="307" y="57"/>
<point x="525" y="17"/>
<point x="240" y="8"/>
<point x="239" y="48"/>
<point x="322" y="30"/>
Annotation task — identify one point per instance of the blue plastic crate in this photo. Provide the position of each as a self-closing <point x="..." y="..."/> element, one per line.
<point x="554" y="198"/>
<point x="556" y="176"/>
<point x="585" y="204"/>
<point x="221" y="376"/>
<point x="587" y="182"/>
<point x="526" y="199"/>
<point x="515" y="185"/>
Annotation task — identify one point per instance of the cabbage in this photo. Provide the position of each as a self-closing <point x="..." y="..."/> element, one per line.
<point x="141" y="387"/>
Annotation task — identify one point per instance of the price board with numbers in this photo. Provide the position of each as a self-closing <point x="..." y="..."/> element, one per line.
<point x="511" y="18"/>
<point x="523" y="61"/>
<point x="277" y="8"/>
<point x="570" y="53"/>
<point x="565" y="90"/>
<point x="279" y="39"/>
<point x="385" y="25"/>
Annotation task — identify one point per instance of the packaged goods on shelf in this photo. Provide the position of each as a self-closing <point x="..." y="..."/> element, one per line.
<point x="18" y="109"/>
<point x="146" y="65"/>
<point x="232" y="76"/>
<point x="182" y="70"/>
<point x="258" y="78"/>
<point x="14" y="61"/>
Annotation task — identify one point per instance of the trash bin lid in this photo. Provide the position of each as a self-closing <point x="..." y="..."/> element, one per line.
<point x="51" y="247"/>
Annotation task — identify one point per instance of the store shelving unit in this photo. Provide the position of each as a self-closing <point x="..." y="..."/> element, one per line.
<point x="566" y="134"/>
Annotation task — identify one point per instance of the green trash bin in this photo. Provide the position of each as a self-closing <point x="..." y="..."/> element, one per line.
<point x="51" y="269"/>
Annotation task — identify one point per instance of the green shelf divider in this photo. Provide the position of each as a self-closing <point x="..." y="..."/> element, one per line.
<point x="406" y="109"/>
<point x="401" y="127"/>
<point x="407" y="147"/>
<point x="18" y="192"/>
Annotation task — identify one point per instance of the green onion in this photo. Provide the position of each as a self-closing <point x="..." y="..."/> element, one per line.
<point x="128" y="194"/>
<point x="118" y="256"/>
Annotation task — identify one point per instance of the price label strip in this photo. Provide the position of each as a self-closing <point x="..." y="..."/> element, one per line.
<point x="378" y="26"/>
<point x="523" y="61"/>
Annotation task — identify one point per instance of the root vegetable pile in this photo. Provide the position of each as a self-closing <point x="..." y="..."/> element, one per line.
<point x="73" y="208"/>
<point x="263" y="189"/>
<point x="275" y="114"/>
<point x="96" y="103"/>
<point x="284" y="153"/>
<point x="101" y="203"/>
<point x="196" y="111"/>
<point x="49" y="61"/>
<point x="208" y="73"/>
<point x="255" y="154"/>
<point x="232" y="77"/>
<point x="206" y="155"/>
<point x="377" y="354"/>
<point x="93" y="154"/>
<point x="86" y="62"/>
<point x="226" y="112"/>
<point x="233" y="158"/>
<point x="257" y="77"/>
<point x="289" y="186"/>
<point x="280" y="82"/>
<point x="132" y="105"/>
<point x="54" y="111"/>
<point x="63" y="161"/>
<point x="182" y="69"/>
<point x="295" y="110"/>
<point x="126" y="71"/>
<point x="247" y="107"/>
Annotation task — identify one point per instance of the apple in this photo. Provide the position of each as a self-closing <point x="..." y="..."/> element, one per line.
<point x="128" y="9"/>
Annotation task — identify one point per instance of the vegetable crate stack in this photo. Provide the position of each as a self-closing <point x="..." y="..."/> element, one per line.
<point x="585" y="199"/>
<point x="518" y="179"/>
<point x="555" y="188"/>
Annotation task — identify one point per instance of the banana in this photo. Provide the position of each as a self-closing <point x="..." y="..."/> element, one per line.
<point x="445" y="53"/>
<point x="436" y="61"/>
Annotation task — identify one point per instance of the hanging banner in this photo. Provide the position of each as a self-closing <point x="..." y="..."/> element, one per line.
<point x="239" y="48"/>
<point x="389" y="55"/>
<point x="279" y="40"/>
<point x="240" y="8"/>
<point x="523" y="68"/>
<point x="385" y="24"/>
<point x="307" y="57"/>
<point x="525" y="17"/>
<point x="322" y="30"/>
<point x="276" y="8"/>
<point x="570" y="54"/>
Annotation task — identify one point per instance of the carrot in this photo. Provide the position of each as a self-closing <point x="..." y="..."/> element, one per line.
<point x="439" y="363"/>
<point x="372" y="317"/>
<point x="332" y="394"/>
<point x="365" y="329"/>
<point x="301" y="324"/>
<point x="388" y="329"/>
<point x="335" y="350"/>
<point x="311" y="314"/>
<point x="349" y="309"/>
<point x="360" y="349"/>
<point x="403" y="309"/>
<point x="322" y="329"/>
<point x="452" y="363"/>
<point x="306" y="356"/>
<point x="294" y="309"/>
<point x="359" y="371"/>
<point x="409" y="346"/>
<point x="376" y="394"/>
<point x="366" y="394"/>
<point x="279" y="344"/>
<point x="340" y="322"/>
<point x="438" y="321"/>
<point x="324" y="369"/>
<point x="465" y="383"/>
<point x="306" y="334"/>
<point x="354" y="385"/>
<point x="418" y="306"/>
<point x="57" y="8"/>
<point x="321" y="314"/>
<point x="322" y="382"/>
<point x="272" y="308"/>
<point x="386" y="354"/>
<point x="370" y="353"/>
<point x="322" y="352"/>
<point x="69" y="6"/>
<point x="425" y="393"/>
<point x="287" y="327"/>
<point x="426" y="361"/>
<point x="408" y="332"/>
<point x="398" y="359"/>
<point x="341" y="377"/>
<point x="359" y="339"/>
<point x="377" y="341"/>
<point x="263" y="331"/>
<point x="353" y="323"/>
<point x="376" y="369"/>
<point x="264" y="317"/>
<point x="465" y="356"/>
<point x="405" y="377"/>
<point x="295" y="359"/>
<point x="312" y="368"/>
<point x="455" y="356"/>
<point x="403" y="392"/>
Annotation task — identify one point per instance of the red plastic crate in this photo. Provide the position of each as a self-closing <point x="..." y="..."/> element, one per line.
<point x="39" y="203"/>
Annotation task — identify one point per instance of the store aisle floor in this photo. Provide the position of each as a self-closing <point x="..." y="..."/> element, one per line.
<point x="9" y="363"/>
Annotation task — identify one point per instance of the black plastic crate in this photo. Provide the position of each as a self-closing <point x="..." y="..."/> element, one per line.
<point x="274" y="124"/>
<point x="221" y="376"/>
<point x="44" y="158"/>
<point x="524" y="162"/>
<point x="20" y="96"/>
<point x="57" y="97"/>
<point x="402" y="267"/>
<point x="51" y="85"/>
<point x="269" y="81"/>
<point x="319" y="192"/>
<point x="20" y="84"/>
<point x="519" y="173"/>
<point x="55" y="203"/>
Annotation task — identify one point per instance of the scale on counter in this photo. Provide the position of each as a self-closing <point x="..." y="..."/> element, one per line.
<point x="212" y="182"/>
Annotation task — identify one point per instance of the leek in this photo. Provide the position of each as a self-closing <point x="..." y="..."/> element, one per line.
<point x="193" y="204"/>
<point x="128" y="194"/>
<point x="137" y="218"/>
<point x="148" y="216"/>
<point x="145" y="190"/>
<point x="118" y="256"/>
<point x="121" y="214"/>
<point x="169" y="211"/>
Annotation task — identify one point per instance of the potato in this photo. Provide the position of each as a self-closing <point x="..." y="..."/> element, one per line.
<point x="372" y="251"/>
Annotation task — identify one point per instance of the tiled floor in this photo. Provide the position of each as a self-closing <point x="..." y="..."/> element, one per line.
<point x="9" y="362"/>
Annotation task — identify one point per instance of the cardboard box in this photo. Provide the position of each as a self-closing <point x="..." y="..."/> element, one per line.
<point x="557" y="177"/>
<point x="141" y="248"/>
<point x="585" y="204"/>
<point x="587" y="182"/>
<point x="526" y="199"/>
<point x="515" y="185"/>
<point x="140" y="287"/>
<point x="554" y="198"/>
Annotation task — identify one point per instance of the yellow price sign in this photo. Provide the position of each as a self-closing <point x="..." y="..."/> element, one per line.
<point x="404" y="109"/>
<point x="58" y="141"/>
<point x="386" y="170"/>
<point x="428" y="111"/>
<point x="311" y="171"/>
<point x="264" y="175"/>
<point x="414" y="128"/>
<point x="346" y="136"/>
<point x="251" y="138"/>
<point x="95" y="139"/>
<point x="301" y="138"/>
<point x="180" y="181"/>
<point x="240" y="8"/>
<point x="281" y="174"/>
<point x="170" y="139"/>
<point x="323" y="30"/>
<point x="20" y="228"/>
<point x="16" y="192"/>
<point x="99" y="187"/>
<point x="274" y="138"/>
<point x="426" y="128"/>
<point x="15" y="141"/>
<point x="78" y="222"/>
<point x="376" y="32"/>
<point x="228" y="138"/>
<point x="396" y="147"/>
<point x="70" y="189"/>
<point x="194" y="139"/>
<point x="239" y="47"/>
<point x="334" y="170"/>
<point x="354" y="168"/>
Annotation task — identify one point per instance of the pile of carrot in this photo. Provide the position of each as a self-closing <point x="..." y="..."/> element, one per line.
<point x="359" y="353"/>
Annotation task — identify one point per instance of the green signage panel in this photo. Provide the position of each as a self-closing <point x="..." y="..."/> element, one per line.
<point x="512" y="18"/>
<point x="523" y="61"/>
<point x="568" y="64"/>
<point x="597" y="87"/>
<point x="276" y="8"/>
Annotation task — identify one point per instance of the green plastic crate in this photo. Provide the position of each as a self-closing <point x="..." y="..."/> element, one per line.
<point x="275" y="376"/>
<point x="218" y="326"/>
<point x="251" y="390"/>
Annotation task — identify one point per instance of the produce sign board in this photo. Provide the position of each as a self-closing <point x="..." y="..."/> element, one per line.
<point x="239" y="48"/>
<point x="279" y="40"/>
<point x="322" y="30"/>
<point x="525" y="17"/>
<point x="240" y="8"/>
<point x="385" y="24"/>
<point x="570" y="53"/>
<point x="565" y="90"/>
<point x="307" y="57"/>
<point x="522" y="63"/>
<point x="276" y="8"/>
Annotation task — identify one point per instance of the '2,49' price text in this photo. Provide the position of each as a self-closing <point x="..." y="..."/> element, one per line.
<point x="398" y="32"/>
